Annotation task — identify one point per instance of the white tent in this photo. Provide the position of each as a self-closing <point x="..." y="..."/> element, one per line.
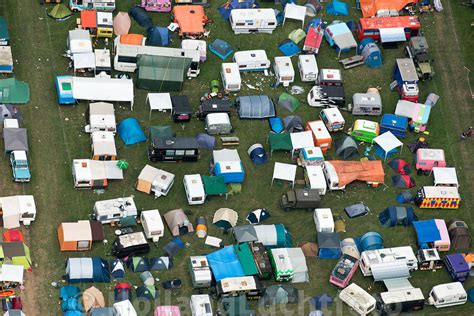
<point x="124" y="308"/>
<point x="225" y="155"/>
<point x="266" y="234"/>
<point x="295" y="12"/>
<point x="445" y="177"/>
<point x="388" y="142"/>
<point x="284" y="171"/>
<point x="298" y="262"/>
<point x="103" y="89"/>
<point x="84" y="61"/>
<point x="11" y="273"/>
<point x="301" y="140"/>
<point x="159" y="102"/>
<point x="16" y="208"/>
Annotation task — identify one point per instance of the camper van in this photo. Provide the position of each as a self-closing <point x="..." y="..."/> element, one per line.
<point x="314" y="178"/>
<point x="230" y="76"/>
<point x="218" y="124"/>
<point x="387" y="256"/>
<point x="252" y="60"/>
<point x="428" y="158"/>
<point x="200" y="271"/>
<point x="113" y="210"/>
<point x="323" y="220"/>
<point x="284" y="72"/>
<point x="366" y="104"/>
<point x="400" y="301"/>
<point x="79" y="5"/>
<point x="130" y="245"/>
<point x="358" y="299"/>
<point x="201" y="305"/>
<point x="194" y="189"/>
<point x="152" y="225"/>
<point x="245" y="21"/>
<point x="308" y="68"/>
<point x="332" y="179"/>
<point x="448" y="294"/>
<point x="321" y="136"/>
<point x="438" y="197"/>
<point x="364" y="131"/>
<point x="333" y="119"/>
<point x="249" y="286"/>
<point x="174" y="149"/>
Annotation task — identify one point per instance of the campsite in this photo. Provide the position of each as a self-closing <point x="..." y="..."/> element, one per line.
<point x="245" y="189"/>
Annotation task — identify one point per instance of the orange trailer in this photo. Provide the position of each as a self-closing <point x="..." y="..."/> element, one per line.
<point x="321" y="135"/>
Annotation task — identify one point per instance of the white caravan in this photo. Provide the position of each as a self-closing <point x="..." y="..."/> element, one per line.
<point x="387" y="257"/>
<point x="448" y="294"/>
<point x="314" y="178"/>
<point x="284" y="71"/>
<point x="323" y="220"/>
<point x="308" y="68"/>
<point x="230" y="76"/>
<point x="245" y="21"/>
<point x="113" y="210"/>
<point x="252" y="60"/>
<point x="194" y="189"/>
<point x="358" y="299"/>
<point x="152" y="225"/>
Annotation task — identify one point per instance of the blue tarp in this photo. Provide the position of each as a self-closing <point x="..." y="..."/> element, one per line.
<point x="289" y="48"/>
<point x="227" y="7"/>
<point x="427" y="232"/>
<point x="235" y="176"/>
<point x="141" y="17"/>
<point x="224" y="263"/>
<point x="130" y="131"/>
<point x="158" y="36"/>
<point x="337" y="8"/>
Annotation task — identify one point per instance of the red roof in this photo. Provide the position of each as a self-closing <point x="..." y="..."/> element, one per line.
<point x="89" y="19"/>
<point x="389" y="22"/>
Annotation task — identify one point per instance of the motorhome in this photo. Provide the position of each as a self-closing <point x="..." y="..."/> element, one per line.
<point x="200" y="271"/>
<point x="333" y="119"/>
<point x="438" y="197"/>
<point x="201" y="305"/>
<point x="358" y="299"/>
<point x="400" y="301"/>
<point x="174" y="149"/>
<point x="448" y="294"/>
<point x="387" y="257"/>
<point x="152" y="225"/>
<point x="323" y="220"/>
<point x="244" y="21"/>
<point x="321" y="135"/>
<point x="249" y="286"/>
<point x="218" y="124"/>
<point x="252" y="60"/>
<point x="314" y="178"/>
<point x="79" y="5"/>
<point x="284" y="71"/>
<point x="100" y="117"/>
<point x="113" y="210"/>
<point x="194" y="189"/>
<point x="132" y="244"/>
<point x="332" y="179"/>
<point x="308" y="68"/>
<point x="366" y="104"/>
<point x="230" y="76"/>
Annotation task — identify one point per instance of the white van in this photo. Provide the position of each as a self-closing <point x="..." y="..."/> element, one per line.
<point x="323" y="220"/>
<point x="448" y="294"/>
<point x="218" y="124"/>
<point x="314" y="178"/>
<point x="245" y="21"/>
<point x="201" y="305"/>
<point x="332" y="179"/>
<point x="308" y="67"/>
<point x="333" y="119"/>
<point x="152" y="225"/>
<point x="358" y="299"/>
<point x="230" y="76"/>
<point x="284" y="71"/>
<point x="252" y="60"/>
<point x="194" y="189"/>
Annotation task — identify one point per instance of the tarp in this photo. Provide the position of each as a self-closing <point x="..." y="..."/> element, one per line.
<point x="340" y="35"/>
<point x="190" y="18"/>
<point x="102" y="89"/>
<point x="427" y="232"/>
<point x="400" y="166"/>
<point x="158" y="36"/>
<point x="280" y="142"/>
<point x="214" y="185"/>
<point x="162" y="73"/>
<point x="346" y="147"/>
<point x="370" y="8"/>
<point x="130" y="131"/>
<point x="246" y="259"/>
<point x="403" y="181"/>
<point x="289" y="48"/>
<point x="289" y="102"/>
<point x="337" y="8"/>
<point x="141" y="17"/>
<point x="329" y="245"/>
<point x="367" y="171"/>
<point x="122" y="23"/>
<point x="221" y="48"/>
<point x="255" y="107"/>
<point x="14" y="91"/>
<point x="276" y="124"/>
<point x="224" y="263"/>
<point x="60" y="12"/>
<point x="397" y="215"/>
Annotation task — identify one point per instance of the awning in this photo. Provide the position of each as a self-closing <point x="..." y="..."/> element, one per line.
<point x="103" y="89"/>
<point x="284" y="171"/>
<point x="84" y="61"/>
<point x="390" y="35"/>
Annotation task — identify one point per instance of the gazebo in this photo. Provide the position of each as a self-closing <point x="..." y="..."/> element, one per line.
<point x="387" y="145"/>
<point x="284" y="171"/>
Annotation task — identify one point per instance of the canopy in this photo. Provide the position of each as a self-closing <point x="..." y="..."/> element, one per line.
<point x="130" y="131"/>
<point x="370" y="8"/>
<point x="60" y="12"/>
<point x="403" y="181"/>
<point x="15" y="139"/>
<point x="394" y="34"/>
<point x="224" y="263"/>
<point x="122" y="23"/>
<point x="221" y="48"/>
<point x="225" y="218"/>
<point x="280" y="142"/>
<point x="367" y="171"/>
<point x="400" y="166"/>
<point x="427" y="232"/>
<point x="289" y="102"/>
<point x="214" y="185"/>
<point x="295" y="12"/>
<point x="244" y="233"/>
<point x="13" y="91"/>
<point x="445" y="176"/>
<point x="160" y="102"/>
<point x="284" y="171"/>
<point x="103" y="89"/>
<point x="162" y="73"/>
<point x="302" y="140"/>
<point x="11" y="273"/>
<point x="92" y="298"/>
<point x="397" y="215"/>
<point x="257" y="216"/>
<point x="255" y="107"/>
<point x="293" y="124"/>
<point x="346" y="147"/>
<point x="84" y="61"/>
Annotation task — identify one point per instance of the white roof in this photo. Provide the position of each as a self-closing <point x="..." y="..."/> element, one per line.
<point x="314" y="153"/>
<point x="230" y="166"/>
<point x="217" y="118"/>
<point x="124" y="308"/>
<point x="357" y="295"/>
<point x="13" y="206"/>
<point x="115" y="204"/>
<point x="295" y="12"/>
<point x="284" y="65"/>
<point x="238" y="284"/>
<point x="316" y="177"/>
<point x="11" y="123"/>
<point x="394" y="34"/>
<point x="324" y="216"/>
<point x="225" y="155"/>
<point x="153" y="220"/>
<point x="132" y="239"/>
<point x="103" y="143"/>
<point x="20" y="155"/>
<point x="255" y="14"/>
<point x="102" y="89"/>
<point x="388" y="142"/>
<point x="446" y="289"/>
<point x="78" y="231"/>
<point x="105" y="18"/>
<point x="333" y="115"/>
<point x="298" y="262"/>
<point x="284" y="171"/>
<point x="444" y="192"/>
<point x="102" y="58"/>
<point x="6" y="55"/>
<point x="231" y="73"/>
<point x="319" y="129"/>
<point x="200" y="45"/>
<point x="11" y="273"/>
<point x="407" y="69"/>
<point x="102" y="115"/>
<point x="79" y="268"/>
<point x="195" y="185"/>
<point x="250" y="55"/>
<point x="87" y="170"/>
<point x="308" y="61"/>
<point x="281" y="258"/>
<point x="430" y="154"/>
<point x="158" y="177"/>
<point x="80" y="41"/>
<point x="199" y="303"/>
<point x="159" y="101"/>
<point x="84" y="60"/>
<point x="302" y="140"/>
<point x="445" y="176"/>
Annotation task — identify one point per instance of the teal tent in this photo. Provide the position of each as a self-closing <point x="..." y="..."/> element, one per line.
<point x="214" y="185"/>
<point x="14" y="91"/>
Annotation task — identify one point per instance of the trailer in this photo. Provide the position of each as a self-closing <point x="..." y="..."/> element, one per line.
<point x="246" y="21"/>
<point x="323" y="220"/>
<point x="429" y="259"/>
<point x="103" y="63"/>
<point x="6" y="59"/>
<point x="156" y="5"/>
<point x="79" y="5"/>
<point x="457" y="267"/>
<point x="17" y="209"/>
<point x="308" y="68"/>
<point x="113" y="210"/>
<point x="313" y="39"/>
<point x="314" y="178"/>
<point x="200" y="271"/>
<point x="201" y="305"/>
<point x="438" y="197"/>
<point x="284" y="71"/>
<point x="418" y="114"/>
<point x="152" y="225"/>
<point x="252" y="60"/>
<point x="249" y="286"/>
<point x="342" y="273"/>
<point x="406" y="79"/>
<point x="333" y="119"/>
<point x="100" y="116"/>
<point x="428" y="158"/>
<point x="388" y="257"/>
<point x="366" y="104"/>
<point x="218" y="124"/>
<point x="364" y="130"/>
<point x="448" y="294"/>
<point x="103" y="146"/>
<point x="321" y="135"/>
<point x="281" y="263"/>
<point x="400" y="301"/>
<point x="194" y="189"/>
<point x="230" y="76"/>
<point x="94" y="174"/>
<point x="358" y="299"/>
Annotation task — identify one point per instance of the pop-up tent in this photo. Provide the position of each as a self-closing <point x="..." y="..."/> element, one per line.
<point x="255" y="107"/>
<point x="285" y="172"/>
<point x="397" y="215"/>
<point x="86" y="270"/>
<point x="92" y="298"/>
<point x="387" y="145"/>
<point x="371" y="241"/>
<point x="400" y="166"/>
<point x="162" y="73"/>
<point x="138" y="264"/>
<point x="224" y="263"/>
<point x="346" y="147"/>
<point x="225" y="218"/>
<point x="257" y="154"/>
<point x="14" y="91"/>
<point x="221" y="48"/>
<point x="60" y="12"/>
<point x="289" y="102"/>
<point x="158" y="36"/>
<point x="117" y="270"/>
<point x="403" y="181"/>
<point x="293" y="123"/>
<point x="337" y="7"/>
<point x="130" y="131"/>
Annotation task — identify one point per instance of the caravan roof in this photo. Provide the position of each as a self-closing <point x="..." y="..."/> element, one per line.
<point x="175" y="143"/>
<point x="103" y="143"/>
<point x="225" y="155"/>
<point x="407" y="69"/>
<point x="316" y="177"/>
<point x="78" y="231"/>
<point x="127" y="204"/>
<point x="246" y="56"/>
<point x="194" y="184"/>
<point x="87" y="170"/>
<point x="430" y="154"/>
<point x="284" y="65"/>
<point x="79" y="41"/>
<point x="441" y="192"/>
<point x="153" y="220"/>
<point x="201" y="305"/>
<point x="267" y="15"/>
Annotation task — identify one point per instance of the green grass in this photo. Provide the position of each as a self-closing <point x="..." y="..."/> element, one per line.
<point x="56" y="137"/>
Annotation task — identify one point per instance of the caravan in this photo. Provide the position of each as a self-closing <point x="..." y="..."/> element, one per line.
<point x="308" y="68"/>
<point x="284" y="72"/>
<point x="387" y="257"/>
<point x="201" y="305"/>
<point x="438" y="197"/>
<point x="358" y="299"/>
<point x="314" y="178"/>
<point x="152" y="225"/>
<point x="332" y="179"/>
<point x="252" y="60"/>
<point x="79" y="5"/>
<point x="400" y="301"/>
<point x="132" y="244"/>
<point x="194" y="189"/>
<point x="333" y="119"/>
<point x="244" y="21"/>
<point x="448" y="294"/>
<point x="113" y="210"/>
<point x="100" y="117"/>
<point x="218" y="124"/>
<point x="230" y="76"/>
<point x="200" y="271"/>
<point x="17" y="209"/>
<point x="323" y="220"/>
<point x="249" y="286"/>
<point x="321" y="136"/>
<point x="366" y="104"/>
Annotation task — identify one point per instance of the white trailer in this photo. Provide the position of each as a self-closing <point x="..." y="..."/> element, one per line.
<point x="103" y="63"/>
<point x="246" y="21"/>
<point x="405" y="300"/>
<point x="194" y="189"/>
<point x="358" y="299"/>
<point x="252" y="60"/>
<point x="17" y="209"/>
<point x="101" y="117"/>
<point x="323" y="220"/>
<point x="91" y="174"/>
<point x="448" y="294"/>
<point x="332" y="179"/>
<point x="152" y="225"/>
<point x="387" y="257"/>
<point x="308" y="68"/>
<point x="200" y="271"/>
<point x="198" y="45"/>
<point x="314" y="178"/>
<point x="113" y="210"/>
<point x="201" y="305"/>
<point x="284" y="71"/>
<point x="124" y="308"/>
<point x="230" y="76"/>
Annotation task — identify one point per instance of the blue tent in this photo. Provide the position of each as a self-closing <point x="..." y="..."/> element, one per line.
<point x="117" y="271"/>
<point x="371" y="52"/>
<point x="173" y="247"/>
<point x="84" y="270"/>
<point x="371" y="241"/>
<point x="276" y="124"/>
<point x="337" y="7"/>
<point x="141" y="17"/>
<point x="289" y="48"/>
<point x="228" y="6"/>
<point x="404" y="197"/>
<point x="224" y="263"/>
<point x="427" y="232"/>
<point x="257" y="154"/>
<point x="221" y="48"/>
<point x="206" y="141"/>
<point x="130" y="131"/>
<point x="158" y="36"/>
<point x="232" y="173"/>
<point x="397" y="215"/>
<point x="329" y="245"/>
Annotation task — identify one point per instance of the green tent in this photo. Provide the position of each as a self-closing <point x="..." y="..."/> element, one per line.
<point x="160" y="131"/>
<point x="162" y="73"/>
<point x="237" y="305"/>
<point x="289" y="102"/>
<point x="214" y="185"/>
<point x="16" y="253"/>
<point x="60" y="12"/>
<point x="14" y="91"/>
<point x="246" y="259"/>
<point x="280" y="142"/>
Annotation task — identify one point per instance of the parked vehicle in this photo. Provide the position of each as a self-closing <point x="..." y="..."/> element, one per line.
<point x="429" y="259"/>
<point x="342" y="273"/>
<point x="194" y="189"/>
<point x="388" y="257"/>
<point x="314" y="37"/>
<point x="448" y="294"/>
<point x="20" y="166"/>
<point x="284" y="71"/>
<point x="252" y="60"/>
<point x="174" y="149"/>
<point x="364" y="131"/>
<point x="300" y="199"/>
<point x="16" y="146"/>
<point x="113" y="210"/>
<point x="130" y="245"/>
<point x="152" y="225"/>
<point x="156" y="5"/>
<point x="406" y="79"/>
<point x="283" y="270"/>
<point x="213" y="106"/>
<point x="386" y="29"/>
<point x="323" y="220"/>
<point x="332" y="179"/>
<point x="200" y="271"/>
<point x="230" y="76"/>
<point x="314" y="178"/>
<point x="417" y="50"/>
<point x="79" y="5"/>
<point x="395" y="302"/>
<point x="428" y="158"/>
<point x="124" y="308"/>
<point x="181" y="111"/>
<point x="249" y="286"/>
<point x="438" y="197"/>
<point x="358" y="299"/>
<point x="366" y="104"/>
<point x="308" y="68"/>
<point x="333" y="119"/>
<point x="328" y="91"/>
<point x="17" y="209"/>
<point x="397" y="125"/>
<point x="258" y="20"/>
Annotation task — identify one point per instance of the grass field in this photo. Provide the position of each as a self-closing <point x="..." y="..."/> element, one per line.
<point x="56" y="137"/>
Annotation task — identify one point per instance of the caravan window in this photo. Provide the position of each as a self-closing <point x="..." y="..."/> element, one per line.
<point x="83" y="245"/>
<point x="197" y="198"/>
<point x="242" y="66"/>
<point x="116" y="215"/>
<point x="271" y="23"/>
<point x="127" y="59"/>
<point x="169" y="153"/>
<point x="240" y="24"/>
<point x="189" y="152"/>
<point x="264" y="65"/>
<point x="180" y="152"/>
<point x="103" y="218"/>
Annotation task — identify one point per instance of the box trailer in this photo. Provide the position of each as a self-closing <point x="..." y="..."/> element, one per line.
<point x="103" y="146"/>
<point x="400" y="301"/>
<point x="321" y="135"/>
<point x="152" y="225"/>
<point x="358" y="299"/>
<point x="314" y="178"/>
<point x="438" y="197"/>
<point x="230" y="76"/>
<point x="428" y="158"/>
<point x="387" y="257"/>
<point x="448" y="294"/>
<point x="366" y="104"/>
<point x="94" y="174"/>
<point x="113" y="210"/>
<point x="308" y="68"/>
<point x="333" y="119"/>
<point x="429" y="259"/>
<point x="244" y="21"/>
<point x="103" y="63"/>
<point x="201" y="305"/>
<point x="323" y="220"/>
<point x="200" y="272"/>
<point x="284" y="71"/>
<point x="155" y="181"/>
<point x="194" y="189"/>
<point x="252" y="60"/>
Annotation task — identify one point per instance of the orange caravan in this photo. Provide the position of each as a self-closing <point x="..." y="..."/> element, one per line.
<point x="191" y="20"/>
<point x="321" y="135"/>
<point x="79" y="236"/>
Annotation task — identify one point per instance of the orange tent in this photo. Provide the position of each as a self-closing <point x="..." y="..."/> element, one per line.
<point x="371" y="7"/>
<point x="131" y="39"/>
<point x="367" y="171"/>
<point x="80" y="235"/>
<point x="190" y="18"/>
<point x="89" y="19"/>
